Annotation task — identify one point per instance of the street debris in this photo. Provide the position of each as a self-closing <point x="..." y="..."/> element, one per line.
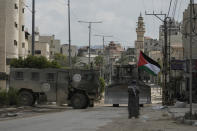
<point x="179" y="104"/>
<point x="144" y="118"/>
<point x="159" y="107"/>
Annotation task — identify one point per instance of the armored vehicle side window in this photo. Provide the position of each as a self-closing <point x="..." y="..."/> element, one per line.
<point x="35" y="76"/>
<point x="88" y="77"/>
<point x="63" y="77"/>
<point x="50" y="77"/>
<point x="19" y="76"/>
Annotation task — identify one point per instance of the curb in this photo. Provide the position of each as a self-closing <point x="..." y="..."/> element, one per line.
<point x="6" y="110"/>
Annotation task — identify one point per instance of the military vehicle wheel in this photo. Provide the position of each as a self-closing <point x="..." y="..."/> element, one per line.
<point x="26" y="98"/>
<point x="79" y="101"/>
<point x="115" y="105"/>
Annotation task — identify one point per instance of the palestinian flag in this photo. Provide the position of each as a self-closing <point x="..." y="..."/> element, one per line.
<point x="148" y="64"/>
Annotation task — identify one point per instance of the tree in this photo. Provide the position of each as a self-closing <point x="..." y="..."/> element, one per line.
<point x="61" y="59"/>
<point x="98" y="61"/>
<point x="74" y="60"/>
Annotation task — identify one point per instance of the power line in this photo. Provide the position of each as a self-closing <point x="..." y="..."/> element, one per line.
<point x="179" y="9"/>
<point x="174" y="9"/>
<point x="169" y="7"/>
<point x="69" y="33"/>
<point x="90" y="26"/>
<point x="103" y="36"/>
<point x="33" y="27"/>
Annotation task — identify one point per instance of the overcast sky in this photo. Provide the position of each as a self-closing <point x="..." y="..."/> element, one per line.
<point x="119" y="18"/>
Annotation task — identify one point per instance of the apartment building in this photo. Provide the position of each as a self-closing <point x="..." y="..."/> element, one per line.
<point x="12" y="34"/>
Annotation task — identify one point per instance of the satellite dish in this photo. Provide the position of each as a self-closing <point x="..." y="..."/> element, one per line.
<point x="45" y="87"/>
<point x="77" y="78"/>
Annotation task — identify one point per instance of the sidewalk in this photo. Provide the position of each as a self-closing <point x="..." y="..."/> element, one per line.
<point x="178" y="114"/>
<point x="17" y="112"/>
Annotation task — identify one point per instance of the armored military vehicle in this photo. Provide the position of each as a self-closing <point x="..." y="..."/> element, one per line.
<point x="117" y="92"/>
<point x="78" y="88"/>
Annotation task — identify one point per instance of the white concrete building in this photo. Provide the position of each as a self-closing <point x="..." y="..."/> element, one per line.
<point x="12" y="35"/>
<point x="65" y="50"/>
<point x="54" y="44"/>
<point x="151" y="45"/>
<point x="186" y="36"/>
<point x="176" y="41"/>
<point x="22" y="44"/>
<point x="42" y="49"/>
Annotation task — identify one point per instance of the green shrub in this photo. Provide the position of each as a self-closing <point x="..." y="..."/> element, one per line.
<point x="3" y="98"/>
<point x="9" y="98"/>
<point x="13" y="97"/>
<point x="34" y="62"/>
<point x="102" y="84"/>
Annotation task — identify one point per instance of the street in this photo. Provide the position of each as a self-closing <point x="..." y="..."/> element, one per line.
<point x="99" y="118"/>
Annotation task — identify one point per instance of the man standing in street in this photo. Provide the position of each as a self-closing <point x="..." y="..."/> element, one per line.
<point x="133" y="100"/>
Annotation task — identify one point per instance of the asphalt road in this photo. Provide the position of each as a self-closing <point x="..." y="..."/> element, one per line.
<point x="72" y="120"/>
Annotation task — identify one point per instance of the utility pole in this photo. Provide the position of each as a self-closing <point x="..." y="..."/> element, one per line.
<point x="103" y="36"/>
<point x="33" y="27"/>
<point x="90" y="26"/>
<point x="165" y="57"/>
<point x="69" y="34"/>
<point x="190" y="61"/>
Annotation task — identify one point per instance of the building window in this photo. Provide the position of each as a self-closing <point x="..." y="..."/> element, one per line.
<point x="19" y="76"/>
<point x="38" y="52"/>
<point x="23" y="10"/>
<point x="15" y="6"/>
<point x="61" y="50"/>
<point x="15" y="24"/>
<point x="23" y="28"/>
<point x="23" y="45"/>
<point x="50" y="77"/>
<point x="35" y="76"/>
<point x="15" y="42"/>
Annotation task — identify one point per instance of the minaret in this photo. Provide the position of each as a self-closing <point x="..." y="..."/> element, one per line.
<point x="140" y="30"/>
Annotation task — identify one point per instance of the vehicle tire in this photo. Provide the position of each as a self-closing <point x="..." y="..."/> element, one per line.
<point x="26" y="98"/>
<point x="115" y="105"/>
<point x="141" y="105"/>
<point x="79" y="101"/>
